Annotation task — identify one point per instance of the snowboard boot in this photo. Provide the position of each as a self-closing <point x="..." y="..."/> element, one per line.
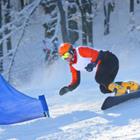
<point x="131" y="86"/>
<point x="118" y="89"/>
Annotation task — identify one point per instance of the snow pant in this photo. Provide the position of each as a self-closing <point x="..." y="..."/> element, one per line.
<point x="107" y="71"/>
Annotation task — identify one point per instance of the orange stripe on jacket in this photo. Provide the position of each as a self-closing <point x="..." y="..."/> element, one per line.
<point x="88" y="53"/>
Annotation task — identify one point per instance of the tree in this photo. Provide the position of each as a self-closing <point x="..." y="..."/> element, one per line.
<point x="108" y="8"/>
<point x="85" y="7"/>
<point x="132" y="20"/>
<point x="131" y="6"/>
<point x="72" y="21"/>
<point x="1" y="44"/>
<point x="89" y="22"/>
<point x="63" y="22"/>
<point x="7" y="19"/>
<point x="50" y="35"/>
<point x="24" y="3"/>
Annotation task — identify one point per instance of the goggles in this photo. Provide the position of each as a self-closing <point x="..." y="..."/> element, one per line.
<point x="65" y="55"/>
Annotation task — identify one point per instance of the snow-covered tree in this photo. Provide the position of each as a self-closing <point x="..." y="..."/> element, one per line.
<point x="1" y="44"/>
<point x="50" y="31"/>
<point x="7" y="19"/>
<point x="108" y="8"/>
<point x="85" y="7"/>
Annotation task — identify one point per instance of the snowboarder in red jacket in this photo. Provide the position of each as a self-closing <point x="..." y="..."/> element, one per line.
<point x="84" y="58"/>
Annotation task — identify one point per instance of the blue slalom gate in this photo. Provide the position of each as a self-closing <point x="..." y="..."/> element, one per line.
<point x="17" y="107"/>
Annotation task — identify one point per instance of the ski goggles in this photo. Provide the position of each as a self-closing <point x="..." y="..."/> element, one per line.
<point x="65" y="55"/>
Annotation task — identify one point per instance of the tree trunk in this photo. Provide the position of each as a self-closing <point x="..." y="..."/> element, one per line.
<point x="22" y="4"/>
<point x="131" y="6"/>
<point x="7" y="19"/>
<point x="1" y="44"/>
<point x="108" y="8"/>
<point x="86" y="12"/>
<point x="72" y="22"/>
<point x="84" y="26"/>
<point x="63" y="23"/>
<point x="90" y="23"/>
<point x="50" y="35"/>
<point x="132" y="20"/>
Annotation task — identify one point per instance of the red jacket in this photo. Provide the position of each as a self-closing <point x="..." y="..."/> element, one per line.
<point x="83" y="55"/>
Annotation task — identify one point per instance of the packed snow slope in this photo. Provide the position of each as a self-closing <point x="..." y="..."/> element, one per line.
<point x="77" y="115"/>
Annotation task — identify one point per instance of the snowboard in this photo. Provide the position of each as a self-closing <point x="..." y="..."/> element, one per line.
<point x="115" y="100"/>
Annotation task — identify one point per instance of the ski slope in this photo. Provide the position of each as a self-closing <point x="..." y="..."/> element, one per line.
<point x="77" y="115"/>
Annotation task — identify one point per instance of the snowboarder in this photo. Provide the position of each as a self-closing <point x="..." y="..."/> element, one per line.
<point x="84" y="58"/>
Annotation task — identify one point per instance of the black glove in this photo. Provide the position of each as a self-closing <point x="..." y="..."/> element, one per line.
<point x="64" y="90"/>
<point x="90" y="66"/>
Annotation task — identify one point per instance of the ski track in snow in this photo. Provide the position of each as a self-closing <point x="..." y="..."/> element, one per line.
<point x="84" y="121"/>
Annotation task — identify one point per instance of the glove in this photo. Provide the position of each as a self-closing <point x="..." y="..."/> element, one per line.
<point x="64" y="90"/>
<point x="90" y="66"/>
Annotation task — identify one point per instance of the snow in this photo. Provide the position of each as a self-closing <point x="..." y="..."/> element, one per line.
<point x="77" y="115"/>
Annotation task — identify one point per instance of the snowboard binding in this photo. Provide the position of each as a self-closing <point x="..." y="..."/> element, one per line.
<point x="121" y="88"/>
<point x="124" y="91"/>
<point x="131" y="86"/>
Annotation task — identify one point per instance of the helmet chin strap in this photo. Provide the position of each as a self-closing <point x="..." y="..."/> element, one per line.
<point x="72" y="53"/>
